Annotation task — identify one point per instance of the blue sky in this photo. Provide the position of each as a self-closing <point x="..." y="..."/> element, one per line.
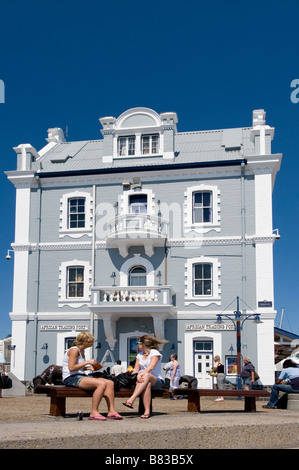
<point x="70" y="62"/>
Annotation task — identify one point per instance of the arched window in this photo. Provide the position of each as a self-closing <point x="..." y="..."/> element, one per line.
<point x="137" y="276"/>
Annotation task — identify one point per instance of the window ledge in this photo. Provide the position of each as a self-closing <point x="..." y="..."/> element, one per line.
<point x="74" y="303"/>
<point x="75" y="233"/>
<point x="204" y="301"/>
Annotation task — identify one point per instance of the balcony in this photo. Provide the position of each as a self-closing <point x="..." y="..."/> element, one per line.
<point x="111" y="303"/>
<point x="145" y="230"/>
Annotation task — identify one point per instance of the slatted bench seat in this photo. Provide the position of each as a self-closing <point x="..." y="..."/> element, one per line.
<point x="194" y="395"/>
<point x="59" y="393"/>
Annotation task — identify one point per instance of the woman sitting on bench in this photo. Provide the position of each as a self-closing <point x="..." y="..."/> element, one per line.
<point x="74" y="368"/>
<point x="148" y="368"/>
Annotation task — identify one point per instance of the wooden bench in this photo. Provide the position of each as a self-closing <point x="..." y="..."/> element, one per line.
<point x="194" y="395"/>
<point x="59" y="393"/>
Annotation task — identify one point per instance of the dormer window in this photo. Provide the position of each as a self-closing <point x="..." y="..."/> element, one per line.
<point x="139" y="132"/>
<point x="126" y="146"/>
<point x="150" y="144"/>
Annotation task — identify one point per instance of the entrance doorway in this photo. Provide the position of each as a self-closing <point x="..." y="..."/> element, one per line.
<point x="203" y="362"/>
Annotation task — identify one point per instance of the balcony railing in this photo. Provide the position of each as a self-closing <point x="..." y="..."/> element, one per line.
<point x="133" y="225"/>
<point x="112" y="303"/>
<point x="128" y="295"/>
<point x="136" y="229"/>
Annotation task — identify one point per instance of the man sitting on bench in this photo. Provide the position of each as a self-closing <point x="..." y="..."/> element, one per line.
<point x="288" y="381"/>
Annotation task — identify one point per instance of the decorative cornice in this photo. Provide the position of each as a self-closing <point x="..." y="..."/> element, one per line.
<point x="171" y="242"/>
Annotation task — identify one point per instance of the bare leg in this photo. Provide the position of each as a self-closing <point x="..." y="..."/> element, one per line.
<point x="146" y="397"/>
<point x="109" y="397"/>
<point x="139" y="388"/>
<point x="144" y="388"/>
<point x="90" y="383"/>
<point x="102" y="388"/>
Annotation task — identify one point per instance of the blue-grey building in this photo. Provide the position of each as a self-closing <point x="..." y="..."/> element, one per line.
<point x="145" y="230"/>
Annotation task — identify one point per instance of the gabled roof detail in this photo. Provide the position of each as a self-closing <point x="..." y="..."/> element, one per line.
<point x="220" y="145"/>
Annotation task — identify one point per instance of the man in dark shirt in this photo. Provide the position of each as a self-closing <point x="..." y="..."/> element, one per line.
<point x="247" y="373"/>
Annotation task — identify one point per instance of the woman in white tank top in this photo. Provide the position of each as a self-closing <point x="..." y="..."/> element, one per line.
<point x="148" y="368"/>
<point x="74" y="366"/>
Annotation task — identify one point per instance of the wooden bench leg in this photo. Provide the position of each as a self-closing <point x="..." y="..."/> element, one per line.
<point x="193" y="402"/>
<point x="249" y="404"/>
<point x="57" y="406"/>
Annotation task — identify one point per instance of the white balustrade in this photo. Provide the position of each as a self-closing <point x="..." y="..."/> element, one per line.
<point x="123" y="295"/>
<point x="134" y="223"/>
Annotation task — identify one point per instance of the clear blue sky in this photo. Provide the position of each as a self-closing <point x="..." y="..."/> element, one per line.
<point x="70" y="62"/>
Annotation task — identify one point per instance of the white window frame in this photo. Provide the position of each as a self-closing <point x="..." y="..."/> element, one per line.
<point x="63" y="298"/>
<point x="137" y="207"/>
<point x="74" y="282"/>
<point x="131" y="276"/>
<point x="126" y="148"/>
<point x="125" y="201"/>
<point x="194" y="279"/>
<point x="64" y="230"/>
<point x="76" y="213"/>
<point x="202" y="207"/>
<point x="133" y="262"/>
<point x="202" y="300"/>
<point x="203" y="227"/>
<point x="150" y="137"/>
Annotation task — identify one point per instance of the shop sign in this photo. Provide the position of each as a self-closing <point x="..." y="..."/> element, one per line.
<point x="209" y="327"/>
<point x="64" y="327"/>
<point x="265" y="303"/>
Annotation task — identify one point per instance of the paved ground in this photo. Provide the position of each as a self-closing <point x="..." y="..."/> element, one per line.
<point x="25" y="424"/>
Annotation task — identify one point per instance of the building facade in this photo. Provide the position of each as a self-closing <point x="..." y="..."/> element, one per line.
<point x="146" y="230"/>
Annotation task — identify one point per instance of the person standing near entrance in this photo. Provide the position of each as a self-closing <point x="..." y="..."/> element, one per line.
<point x="219" y="368"/>
<point x="247" y="373"/>
<point x="167" y="368"/>
<point x="175" y="374"/>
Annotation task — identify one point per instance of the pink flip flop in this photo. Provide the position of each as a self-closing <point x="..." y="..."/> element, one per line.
<point x="97" y="418"/>
<point x="114" y="417"/>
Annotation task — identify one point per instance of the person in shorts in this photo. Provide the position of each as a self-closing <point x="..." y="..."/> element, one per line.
<point x="74" y="367"/>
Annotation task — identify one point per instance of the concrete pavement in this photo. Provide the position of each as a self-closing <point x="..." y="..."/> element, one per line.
<point x="25" y="424"/>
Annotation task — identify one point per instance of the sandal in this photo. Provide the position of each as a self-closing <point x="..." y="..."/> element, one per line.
<point x="115" y="416"/>
<point x="97" y="418"/>
<point x="128" y="404"/>
<point x="145" y="416"/>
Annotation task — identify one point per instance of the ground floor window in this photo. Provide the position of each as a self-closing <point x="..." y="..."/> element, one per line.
<point x="68" y="342"/>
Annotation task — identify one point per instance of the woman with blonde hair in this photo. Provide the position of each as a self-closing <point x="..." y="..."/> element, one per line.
<point x="74" y="367"/>
<point x="148" y="368"/>
<point x="219" y="368"/>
